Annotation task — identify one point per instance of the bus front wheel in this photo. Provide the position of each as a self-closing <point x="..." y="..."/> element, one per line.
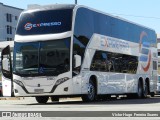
<point x="91" y="93"/>
<point x="42" y="99"/>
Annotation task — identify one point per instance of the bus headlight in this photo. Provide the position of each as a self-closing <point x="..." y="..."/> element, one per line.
<point x="60" y="81"/>
<point x="18" y="82"/>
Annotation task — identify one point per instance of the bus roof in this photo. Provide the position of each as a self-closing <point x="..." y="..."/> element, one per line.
<point x="51" y="7"/>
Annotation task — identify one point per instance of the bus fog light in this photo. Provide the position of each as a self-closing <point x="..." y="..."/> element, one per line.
<point x="16" y="91"/>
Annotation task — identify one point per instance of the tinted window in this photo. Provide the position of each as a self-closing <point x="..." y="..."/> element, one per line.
<point x="45" y="22"/>
<point x="89" y="22"/>
<point x="114" y="62"/>
<point x="79" y="49"/>
<point x="84" y="28"/>
<point x="42" y="58"/>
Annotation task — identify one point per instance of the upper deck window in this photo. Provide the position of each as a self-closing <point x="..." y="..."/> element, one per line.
<point x="45" y="22"/>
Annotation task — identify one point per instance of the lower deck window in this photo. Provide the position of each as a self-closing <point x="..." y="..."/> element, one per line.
<point x="114" y="62"/>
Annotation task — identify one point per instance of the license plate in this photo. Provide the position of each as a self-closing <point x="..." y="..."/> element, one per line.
<point x="38" y="90"/>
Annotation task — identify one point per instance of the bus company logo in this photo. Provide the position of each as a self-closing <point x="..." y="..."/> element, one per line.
<point x="113" y="43"/>
<point x="103" y="42"/>
<point x="29" y="26"/>
<point x="145" y="56"/>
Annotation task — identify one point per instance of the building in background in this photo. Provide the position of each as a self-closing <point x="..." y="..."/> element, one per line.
<point x="8" y="21"/>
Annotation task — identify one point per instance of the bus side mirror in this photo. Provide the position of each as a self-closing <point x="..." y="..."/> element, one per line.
<point x="77" y="59"/>
<point x="5" y="64"/>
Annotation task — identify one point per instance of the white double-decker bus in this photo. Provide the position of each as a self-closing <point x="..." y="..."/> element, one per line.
<point x="71" y="50"/>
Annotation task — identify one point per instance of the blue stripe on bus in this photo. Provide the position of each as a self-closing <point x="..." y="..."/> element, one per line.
<point x="146" y="44"/>
<point x="145" y="51"/>
<point x="143" y="58"/>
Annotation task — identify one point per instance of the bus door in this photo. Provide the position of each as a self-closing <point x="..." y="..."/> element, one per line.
<point x="7" y="76"/>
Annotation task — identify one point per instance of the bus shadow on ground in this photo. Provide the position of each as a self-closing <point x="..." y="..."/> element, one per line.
<point x="112" y="101"/>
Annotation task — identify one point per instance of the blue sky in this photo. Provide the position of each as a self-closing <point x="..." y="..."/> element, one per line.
<point x="149" y="10"/>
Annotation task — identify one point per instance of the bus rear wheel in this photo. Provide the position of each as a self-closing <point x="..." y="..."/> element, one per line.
<point x="42" y="99"/>
<point x="140" y="90"/>
<point x="91" y="93"/>
<point x="145" y="91"/>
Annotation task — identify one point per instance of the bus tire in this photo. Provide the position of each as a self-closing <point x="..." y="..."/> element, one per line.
<point x="55" y="99"/>
<point x="91" y="93"/>
<point x="139" y="93"/>
<point x="42" y="99"/>
<point x="145" y="91"/>
<point x="152" y="94"/>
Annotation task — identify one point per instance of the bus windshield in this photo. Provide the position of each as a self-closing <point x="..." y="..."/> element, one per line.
<point x="49" y="58"/>
<point x="45" y="22"/>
